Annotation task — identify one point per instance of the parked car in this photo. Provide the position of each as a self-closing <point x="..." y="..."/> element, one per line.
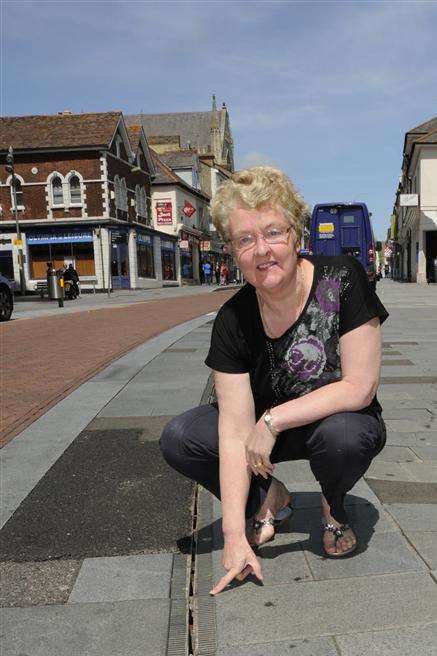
<point x="6" y="299"/>
<point x="344" y="229"/>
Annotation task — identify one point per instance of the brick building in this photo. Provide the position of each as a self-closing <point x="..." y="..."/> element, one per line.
<point x="83" y="196"/>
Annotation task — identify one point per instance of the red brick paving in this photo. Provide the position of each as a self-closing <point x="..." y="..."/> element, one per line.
<point x="45" y="358"/>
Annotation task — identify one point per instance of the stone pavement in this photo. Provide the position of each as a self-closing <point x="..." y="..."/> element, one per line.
<point x="382" y="600"/>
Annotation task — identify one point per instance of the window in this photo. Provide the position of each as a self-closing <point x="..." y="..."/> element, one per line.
<point x="141" y="201"/>
<point x="57" y="191"/>
<point x="19" y="194"/>
<point x="75" y="190"/>
<point x="123" y="195"/>
<point x="145" y="259"/>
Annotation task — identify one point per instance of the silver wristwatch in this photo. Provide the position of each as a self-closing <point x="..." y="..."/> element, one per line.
<point x="268" y="420"/>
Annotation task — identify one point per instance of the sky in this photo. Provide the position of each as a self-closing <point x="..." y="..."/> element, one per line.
<point x="323" y="90"/>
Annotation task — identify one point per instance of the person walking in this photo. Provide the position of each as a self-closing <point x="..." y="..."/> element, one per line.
<point x="296" y="355"/>
<point x="217" y="273"/>
<point x="207" y="272"/>
<point x="224" y="272"/>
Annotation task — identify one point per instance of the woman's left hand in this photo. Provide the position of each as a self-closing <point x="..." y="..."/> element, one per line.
<point x="259" y="446"/>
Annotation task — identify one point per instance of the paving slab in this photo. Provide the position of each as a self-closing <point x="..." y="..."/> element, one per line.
<point x="411" y="426"/>
<point x="411" y="439"/>
<point x="254" y="613"/>
<point x="405" y="412"/>
<point x="414" y="517"/>
<point x="418" y="640"/>
<point x="383" y="554"/>
<point x="390" y="491"/>
<point x="136" y="628"/>
<point x="396" y="454"/>
<point x="421" y="471"/>
<point x="307" y="494"/>
<point x="425" y="543"/>
<point x="29" y="584"/>
<point x="387" y="471"/>
<point x="427" y="453"/>
<point x="313" y="647"/>
<point x="123" y="577"/>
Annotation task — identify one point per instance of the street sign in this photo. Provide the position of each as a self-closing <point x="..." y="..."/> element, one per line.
<point x="409" y="200"/>
<point x="18" y="243"/>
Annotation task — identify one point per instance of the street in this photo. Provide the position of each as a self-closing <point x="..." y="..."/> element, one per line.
<point x="97" y="547"/>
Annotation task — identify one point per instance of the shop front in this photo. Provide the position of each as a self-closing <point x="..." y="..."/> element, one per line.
<point x="61" y="246"/>
<point x="189" y="246"/>
<point x="120" y="258"/>
<point x="145" y="255"/>
<point x="168" y="259"/>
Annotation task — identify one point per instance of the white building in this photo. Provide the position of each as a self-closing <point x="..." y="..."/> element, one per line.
<point x="416" y="225"/>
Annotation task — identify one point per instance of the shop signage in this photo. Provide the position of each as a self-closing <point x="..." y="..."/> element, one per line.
<point x="408" y="200"/>
<point x="188" y="209"/>
<point x="183" y="244"/>
<point x="143" y="239"/>
<point x="59" y="237"/>
<point x="205" y="245"/>
<point x="164" y="211"/>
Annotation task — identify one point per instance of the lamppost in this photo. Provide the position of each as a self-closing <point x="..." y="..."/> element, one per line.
<point x="18" y="241"/>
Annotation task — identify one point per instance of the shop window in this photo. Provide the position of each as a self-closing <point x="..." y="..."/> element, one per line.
<point x="75" y="190"/>
<point x="81" y="254"/>
<point x="168" y="265"/>
<point x="145" y="259"/>
<point x="57" y="191"/>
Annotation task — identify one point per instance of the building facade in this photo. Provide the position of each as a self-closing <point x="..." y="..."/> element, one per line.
<point x="83" y="197"/>
<point x="413" y="231"/>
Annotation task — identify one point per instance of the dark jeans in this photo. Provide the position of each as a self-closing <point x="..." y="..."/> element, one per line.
<point x="339" y="449"/>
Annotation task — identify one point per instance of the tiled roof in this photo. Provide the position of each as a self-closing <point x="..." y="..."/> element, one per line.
<point x="164" y="175"/>
<point x="426" y="127"/>
<point x="134" y="132"/>
<point x="194" y="128"/>
<point x="430" y="137"/>
<point x="58" y="131"/>
<point x="178" y="158"/>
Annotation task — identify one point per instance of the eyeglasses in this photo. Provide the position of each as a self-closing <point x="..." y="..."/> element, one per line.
<point x="270" y="236"/>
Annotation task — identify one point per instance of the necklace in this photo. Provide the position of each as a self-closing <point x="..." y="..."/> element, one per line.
<point x="299" y="305"/>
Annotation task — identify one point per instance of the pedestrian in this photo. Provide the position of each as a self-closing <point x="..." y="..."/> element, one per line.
<point x="207" y="272"/>
<point x="217" y="273"/>
<point x="296" y="359"/>
<point x="71" y="274"/>
<point x="224" y="272"/>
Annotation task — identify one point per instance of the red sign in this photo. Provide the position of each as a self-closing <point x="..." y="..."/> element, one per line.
<point x="164" y="211"/>
<point x="188" y="209"/>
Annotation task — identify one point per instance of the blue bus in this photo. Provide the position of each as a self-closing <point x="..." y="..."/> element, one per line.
<point x="344" y="229"/>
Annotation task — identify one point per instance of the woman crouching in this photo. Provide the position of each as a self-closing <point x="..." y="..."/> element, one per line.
<point x="296" y="357"/>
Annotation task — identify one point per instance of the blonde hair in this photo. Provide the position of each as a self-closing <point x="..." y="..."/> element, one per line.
<point x="252" y="188"/>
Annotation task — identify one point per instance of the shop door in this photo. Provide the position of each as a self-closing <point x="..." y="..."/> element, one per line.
<point x="120" y="266"/>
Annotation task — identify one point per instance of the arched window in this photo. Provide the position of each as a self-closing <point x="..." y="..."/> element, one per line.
<point x="138" y="199"/>
<point x="117" y="192"/>
<point x="75" y="190"/>
<point x="19" y="194"/>
<point x="57" y="191"/>
<point x="123" y="195"/>
<point x="143" y="202"/>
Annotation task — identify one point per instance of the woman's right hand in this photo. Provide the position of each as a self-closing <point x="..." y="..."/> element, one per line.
<point x="239" y="560"/>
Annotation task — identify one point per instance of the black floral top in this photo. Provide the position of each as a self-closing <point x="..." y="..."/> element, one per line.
<point x="307" y="355"/>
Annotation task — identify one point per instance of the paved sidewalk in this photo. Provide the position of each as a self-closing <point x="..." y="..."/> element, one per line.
<point x="383" y="600"/>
